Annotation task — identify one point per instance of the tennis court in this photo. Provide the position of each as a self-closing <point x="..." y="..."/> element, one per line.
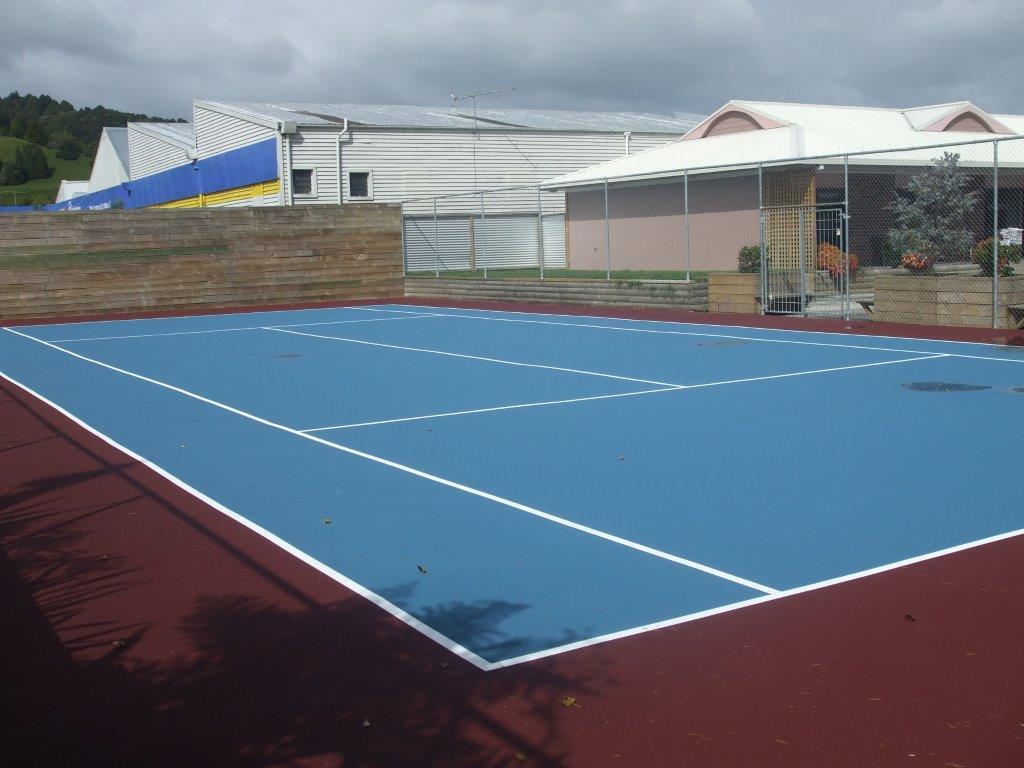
<point x="520" y="485"/>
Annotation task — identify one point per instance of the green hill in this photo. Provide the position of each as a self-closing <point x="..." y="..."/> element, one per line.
<point x="51" y="125"/>
<point x="41" y="190"/>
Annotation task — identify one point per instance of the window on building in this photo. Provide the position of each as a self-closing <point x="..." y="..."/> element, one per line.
<point x="303" y="182"/>
<point x="359" y="185"/>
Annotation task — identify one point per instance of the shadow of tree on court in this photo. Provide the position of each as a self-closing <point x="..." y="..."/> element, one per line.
<point x="269" y="676"/>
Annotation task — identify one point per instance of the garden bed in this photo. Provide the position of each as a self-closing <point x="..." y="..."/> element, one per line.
<point x="952" y="300"/>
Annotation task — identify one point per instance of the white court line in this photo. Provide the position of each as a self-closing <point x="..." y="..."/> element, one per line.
<point x="753" y="601"/>
<point x="495" y="408"/>
<point x="381" y="308"/>
<point x="709" y="335"/>
<point x="408" y="316"/>
<point x="673" y="388"/>
<point x="419" y="473"/>
<point x="281" y="329"/>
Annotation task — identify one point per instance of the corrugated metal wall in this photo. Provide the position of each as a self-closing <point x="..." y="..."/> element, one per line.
<point x="216" y="133"/>
<point x="149" y="155"/>
<point x="500" y="242"/>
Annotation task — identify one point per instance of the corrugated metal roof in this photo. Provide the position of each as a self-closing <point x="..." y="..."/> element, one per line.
<point x="403" y="116"/>
<point x="807" y="130"/>
<point x="182" y="134"/>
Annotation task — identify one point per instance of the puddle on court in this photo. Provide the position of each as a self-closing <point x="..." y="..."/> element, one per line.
<point x="944" y="386"/>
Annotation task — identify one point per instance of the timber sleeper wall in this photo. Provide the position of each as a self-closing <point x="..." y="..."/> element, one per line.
<point x="661" y="294"/>
<point x="100" y="262"/>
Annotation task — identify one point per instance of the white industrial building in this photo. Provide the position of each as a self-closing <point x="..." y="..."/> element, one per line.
<point x="262" y="153"/>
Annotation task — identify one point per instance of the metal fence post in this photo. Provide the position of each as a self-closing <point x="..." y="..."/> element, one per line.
<point x="540" y="235"/>
<point x="847" y="301"/>
<point x="483" y="234"/>
<point x="803" y="262"/>
<point x="607" y="236"/>
<point x="995" y="234"/>
<point x="686" y="219"/>
<point x="437" y="245"/>
<point x="764" y="252"/>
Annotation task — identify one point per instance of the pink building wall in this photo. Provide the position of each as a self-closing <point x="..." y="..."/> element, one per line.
<point x="648" y="230"/>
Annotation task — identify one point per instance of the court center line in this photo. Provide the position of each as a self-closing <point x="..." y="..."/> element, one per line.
<point x="597" y="533"/>
<point x="673" y="388"/>
<point x="495" y="408"/>
<point x="706" y="334"/>
<point x="281" y="329"/>
<point x="410" y="316"/>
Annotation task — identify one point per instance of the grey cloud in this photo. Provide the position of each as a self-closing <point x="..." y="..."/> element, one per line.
<point x="628" y="54"/>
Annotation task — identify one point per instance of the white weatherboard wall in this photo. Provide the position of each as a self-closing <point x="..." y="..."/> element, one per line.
<point x="414" y="163"/>
<point x="316" y="149"/>
<point x="150" y="155"/>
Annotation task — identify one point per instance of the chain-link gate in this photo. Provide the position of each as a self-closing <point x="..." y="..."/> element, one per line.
<point x="805" y="266"/>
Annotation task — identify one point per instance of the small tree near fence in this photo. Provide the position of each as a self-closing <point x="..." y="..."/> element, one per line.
<point x="931" y="221"/>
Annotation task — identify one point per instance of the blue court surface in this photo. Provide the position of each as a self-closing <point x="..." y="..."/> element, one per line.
<point x="516" y="485"/>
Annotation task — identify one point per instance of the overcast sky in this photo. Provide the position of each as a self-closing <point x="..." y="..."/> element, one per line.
<point x="654" y="56"/>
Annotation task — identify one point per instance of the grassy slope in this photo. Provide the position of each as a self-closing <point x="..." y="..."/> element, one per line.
<point x="41" y="190"/>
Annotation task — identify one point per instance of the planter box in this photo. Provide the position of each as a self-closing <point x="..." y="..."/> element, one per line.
<point x="737" y="292"/>
<point x="953" y="300"/>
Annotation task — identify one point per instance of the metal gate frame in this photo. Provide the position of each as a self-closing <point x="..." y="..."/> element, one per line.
<point x="791" y="279"/>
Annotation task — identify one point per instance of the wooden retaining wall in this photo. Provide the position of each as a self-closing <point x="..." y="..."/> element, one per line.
<point x="103" y="262"/>
<point x="655" y="294"/>
<point x="738" y="292"/>
<point x="953" y="300"/>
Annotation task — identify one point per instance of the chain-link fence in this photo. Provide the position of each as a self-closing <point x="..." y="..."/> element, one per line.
<point x="920" y="235"/>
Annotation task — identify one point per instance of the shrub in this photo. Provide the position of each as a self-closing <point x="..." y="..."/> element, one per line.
<point x="750" y="258"/>
<point x="916" y="262"/>
<point x="1009" y="255"/>
<point x="832" y="259"/>
<point x="931" y="221"/>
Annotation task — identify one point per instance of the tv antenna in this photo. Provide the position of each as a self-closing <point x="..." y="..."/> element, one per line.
<point x="476" y="128"/>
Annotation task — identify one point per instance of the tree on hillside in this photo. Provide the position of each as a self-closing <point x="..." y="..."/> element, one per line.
<point x="31" y="158"/>
<point x="36" y="134"/>
<point x="18" y="127"/>
<point x="12" y="173"/>
<point x="69" y="149"/>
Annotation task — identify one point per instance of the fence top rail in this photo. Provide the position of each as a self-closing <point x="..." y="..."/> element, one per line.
<point x="478" y="192"/>
<point x="838" y="157"/>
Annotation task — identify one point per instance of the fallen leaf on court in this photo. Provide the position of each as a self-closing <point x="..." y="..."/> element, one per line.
<point x="421" y="569"/>
<point x="520" y="756"/>
<point x="103" y="558"/>
<point x="909" y="617"/>
<point x="366" y="722"/>
<point x="445" y="665"/>
<point x="569" y="701"/>
<point x="327" y="521"/>
<point x="120" y="643"/>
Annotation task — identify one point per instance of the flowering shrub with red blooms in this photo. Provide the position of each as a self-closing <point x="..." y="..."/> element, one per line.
<point x="830" y="258"/>
<point x="915" y="262"/>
